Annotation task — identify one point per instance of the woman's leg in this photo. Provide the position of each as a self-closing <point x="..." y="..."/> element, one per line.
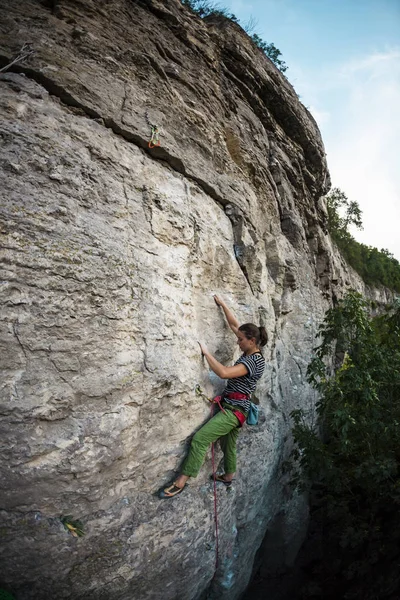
<point x="228" y="447"/>
<point x="218" y="426"/>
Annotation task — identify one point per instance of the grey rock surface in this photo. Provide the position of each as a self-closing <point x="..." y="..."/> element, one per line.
<point x="111" y="253"/>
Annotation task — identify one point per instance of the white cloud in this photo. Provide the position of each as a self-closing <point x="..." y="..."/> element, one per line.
<point x="364" y="154"/>
<point x="356" y="106"/>
<point x="372" y="64"/>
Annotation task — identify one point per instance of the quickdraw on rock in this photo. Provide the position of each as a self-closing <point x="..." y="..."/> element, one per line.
<point x="216" y="400"/>
<point x="155" y="132"/>
<point x="155" y="137"/>
<point x="199" y="392"/>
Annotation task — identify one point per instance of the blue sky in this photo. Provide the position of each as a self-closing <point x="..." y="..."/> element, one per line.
<point x="344" y="62"/>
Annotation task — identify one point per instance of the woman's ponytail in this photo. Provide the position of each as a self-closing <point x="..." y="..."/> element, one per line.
<point x="263" y="336"/>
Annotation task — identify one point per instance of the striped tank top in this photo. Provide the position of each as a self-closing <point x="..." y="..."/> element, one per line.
<point x="246" y="384"/>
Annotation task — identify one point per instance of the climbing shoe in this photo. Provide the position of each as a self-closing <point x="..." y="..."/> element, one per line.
<point x="220" y="479"/>
<point x="171" y="491"/>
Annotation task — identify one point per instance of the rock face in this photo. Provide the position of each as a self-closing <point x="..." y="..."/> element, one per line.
<point x="111" y="253"/>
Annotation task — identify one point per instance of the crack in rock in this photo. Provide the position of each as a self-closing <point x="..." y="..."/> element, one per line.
<point x="157" y="153"/>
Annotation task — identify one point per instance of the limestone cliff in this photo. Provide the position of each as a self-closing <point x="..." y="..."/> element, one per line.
<point x="111" y="252"/>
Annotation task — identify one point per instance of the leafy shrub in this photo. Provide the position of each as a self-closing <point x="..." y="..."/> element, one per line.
<point x="352" y="459"/>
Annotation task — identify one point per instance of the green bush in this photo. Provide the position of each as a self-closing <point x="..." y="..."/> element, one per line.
<point x="352" y="457"/>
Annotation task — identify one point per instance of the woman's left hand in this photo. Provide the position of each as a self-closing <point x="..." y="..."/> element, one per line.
<point x="203" y="348"/>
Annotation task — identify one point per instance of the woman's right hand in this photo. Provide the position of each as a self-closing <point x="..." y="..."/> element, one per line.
<point x="203" y="348"/>
<point x="230" y="317"/>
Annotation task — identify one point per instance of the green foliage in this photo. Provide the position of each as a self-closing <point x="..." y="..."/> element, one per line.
<point x="338" y="225"/>
<point x="353" y="458"/>
<point x="208" y="8"/>
<point x="4" y="595"/>
<point x="73" y="526"/>
<point x="271" y="51"/>
<point x="376" y="267"/>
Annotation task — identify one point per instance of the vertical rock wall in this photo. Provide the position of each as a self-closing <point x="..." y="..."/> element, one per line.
<point x="111" y="253"/>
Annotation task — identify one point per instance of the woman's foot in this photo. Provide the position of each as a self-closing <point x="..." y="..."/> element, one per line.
<point x="225" y="479"/>
<point x="175" y="488"/>
<point x="182" y="480"/>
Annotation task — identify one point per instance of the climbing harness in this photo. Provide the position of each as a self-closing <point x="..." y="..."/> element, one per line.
<point x="154" y="141"/>
<point x="218" y="399"/>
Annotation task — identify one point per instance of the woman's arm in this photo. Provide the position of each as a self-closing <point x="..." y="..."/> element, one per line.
<point x="230" y="317"/>
<point x="220" y="370"/>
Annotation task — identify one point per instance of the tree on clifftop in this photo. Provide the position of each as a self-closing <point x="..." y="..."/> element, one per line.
<point x="342" y="213"/>
<point x="376" y="267"/>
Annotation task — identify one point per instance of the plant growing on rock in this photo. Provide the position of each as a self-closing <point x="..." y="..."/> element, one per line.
<point x="73" y="526"/>
<point x="271" y="51"/>
<point x="207" y="8"/>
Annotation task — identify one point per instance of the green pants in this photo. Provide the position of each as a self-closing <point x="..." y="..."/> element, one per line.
<point x="223" y="425"/>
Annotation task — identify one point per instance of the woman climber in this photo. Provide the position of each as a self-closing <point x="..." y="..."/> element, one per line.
<point x="235" y="403"/>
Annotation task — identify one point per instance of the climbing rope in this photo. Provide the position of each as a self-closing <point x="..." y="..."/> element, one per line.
<point x="215" y="499"/>
<point x="313" y="342"/>
<point x="199" y="392"/>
